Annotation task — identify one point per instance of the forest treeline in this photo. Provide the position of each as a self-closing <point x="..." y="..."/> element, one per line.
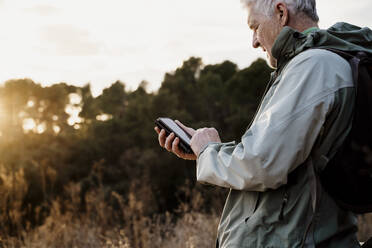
<point x="57" y="136"/>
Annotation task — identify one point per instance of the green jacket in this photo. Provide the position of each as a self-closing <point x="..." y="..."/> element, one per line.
<point x="275" y="198"/>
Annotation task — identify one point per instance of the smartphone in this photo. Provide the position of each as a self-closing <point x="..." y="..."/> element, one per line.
<point x="172" y="127"/>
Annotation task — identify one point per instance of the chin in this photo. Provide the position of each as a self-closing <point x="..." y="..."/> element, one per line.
<point x="271" y="62"/>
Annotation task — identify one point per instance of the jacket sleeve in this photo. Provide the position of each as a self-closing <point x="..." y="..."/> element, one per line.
<point x="283" y="133"/>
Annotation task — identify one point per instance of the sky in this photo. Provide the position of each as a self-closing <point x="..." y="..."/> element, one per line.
<point x="99" y="42"/>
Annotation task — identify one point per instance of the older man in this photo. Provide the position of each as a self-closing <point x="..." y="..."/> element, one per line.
<point x="276" y="199"/>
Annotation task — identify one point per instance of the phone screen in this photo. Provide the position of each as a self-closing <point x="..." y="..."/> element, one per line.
<point x="176" y="129"/>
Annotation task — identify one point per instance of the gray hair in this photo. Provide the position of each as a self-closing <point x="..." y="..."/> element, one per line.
<point x="308" y="7"/>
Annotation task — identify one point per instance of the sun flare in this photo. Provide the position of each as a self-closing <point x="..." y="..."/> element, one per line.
<point x="28" y="124"/>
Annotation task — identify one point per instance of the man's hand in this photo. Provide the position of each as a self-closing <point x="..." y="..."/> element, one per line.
<point x="200" y="138"/>
<point x="171" y="142"/>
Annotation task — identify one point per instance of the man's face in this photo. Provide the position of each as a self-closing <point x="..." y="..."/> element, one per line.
<point x="265" y="30"/>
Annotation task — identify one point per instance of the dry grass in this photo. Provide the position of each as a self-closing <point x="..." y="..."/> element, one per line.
<point x="100" y="225"/>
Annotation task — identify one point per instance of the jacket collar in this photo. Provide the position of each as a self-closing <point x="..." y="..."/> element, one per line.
<point x="284" y="47"/>
<point x="341" y="36"/>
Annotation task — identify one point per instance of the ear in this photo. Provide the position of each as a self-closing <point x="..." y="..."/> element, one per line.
<point x="282" y="13"/>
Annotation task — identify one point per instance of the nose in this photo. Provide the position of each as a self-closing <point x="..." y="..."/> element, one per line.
<point x="255" y="42"/>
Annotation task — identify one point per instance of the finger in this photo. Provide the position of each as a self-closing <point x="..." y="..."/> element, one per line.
<point x="190" y="156"/>
<point x="157" y="129"/>
<point x="168" y="142"/>
<point x="176" y="150"/>
<point x="190" y="130"/>
<point x="161" y="138"/>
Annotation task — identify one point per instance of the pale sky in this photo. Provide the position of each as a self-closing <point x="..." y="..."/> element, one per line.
<point x="97" y="41"/>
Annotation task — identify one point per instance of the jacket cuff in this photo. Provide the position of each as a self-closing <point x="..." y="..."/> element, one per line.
<point x="214" y="145"/>
<point x="205" y="147"/>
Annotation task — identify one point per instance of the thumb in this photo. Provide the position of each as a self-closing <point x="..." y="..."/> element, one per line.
<point x="189" y="130"/>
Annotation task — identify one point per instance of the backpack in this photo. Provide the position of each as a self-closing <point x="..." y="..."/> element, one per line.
<point x="347" y="177"/>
